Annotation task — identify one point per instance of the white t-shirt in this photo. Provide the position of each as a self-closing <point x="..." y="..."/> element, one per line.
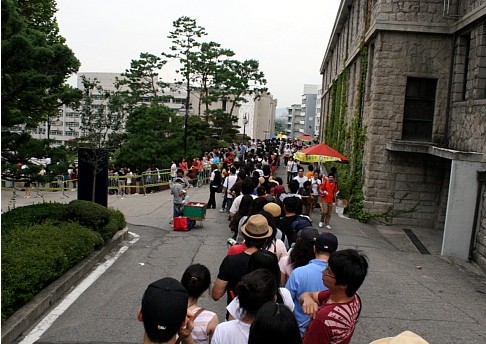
<point x="234" y="307"/>
<point x="231" y="332"/>
<point x="228" y="183"/>
<point x="301" y="180"/>
<point x="315" y="186"/>
<point x="236" y="203"/>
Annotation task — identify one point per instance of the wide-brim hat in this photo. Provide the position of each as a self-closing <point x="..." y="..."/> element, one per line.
<point x="406" y="337"/>
<point x="257" y="227"/>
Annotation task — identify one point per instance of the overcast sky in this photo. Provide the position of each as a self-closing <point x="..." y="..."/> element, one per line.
<point x="288" y="37"/>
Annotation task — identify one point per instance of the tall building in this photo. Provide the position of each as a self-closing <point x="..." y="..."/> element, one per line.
<point x="413" y="74"/>
<point x="294" y="117"/>
<point x="301" y="118"/>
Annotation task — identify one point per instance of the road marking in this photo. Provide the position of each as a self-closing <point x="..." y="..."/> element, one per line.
<point x="49" y="319"/>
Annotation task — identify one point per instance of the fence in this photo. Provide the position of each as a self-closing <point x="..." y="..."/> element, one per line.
<point x="121" y="185"/>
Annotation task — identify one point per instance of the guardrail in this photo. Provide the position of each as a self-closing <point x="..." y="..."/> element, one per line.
<point x="143" y="183"/>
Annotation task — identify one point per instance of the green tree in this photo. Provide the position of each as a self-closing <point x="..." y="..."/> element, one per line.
<point x="185" y="45"/>
<point x="235" y="79"/>
<point x="280" y="125"/>
<point x="206" y="64"/>
<point x="154" y="133"/>
<point x="35" y="64"/>
<point x="142" y="80"/>
<point x="103" y="113"/>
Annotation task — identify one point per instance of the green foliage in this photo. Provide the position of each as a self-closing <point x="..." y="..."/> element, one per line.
<point x="35" y="64"/>
<point x="41" y="242"/>
<point x="349" y="139"/>
<point x="142" y="80"/>
<point x="89" y="214"/>
<point x="33" y="215"/>
<point x="34" y="256"/>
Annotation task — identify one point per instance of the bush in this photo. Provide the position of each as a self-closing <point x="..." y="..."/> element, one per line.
<point x="116" y="222"/>
<point x="33" y="215"/>
<point x="33" y="257"/>
<point x="89" y="214"/>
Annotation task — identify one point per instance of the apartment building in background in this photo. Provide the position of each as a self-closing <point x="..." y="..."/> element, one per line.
<point x="416" y="71"/>
<point x="301" y="118"/>
<point x="67" y="125"/>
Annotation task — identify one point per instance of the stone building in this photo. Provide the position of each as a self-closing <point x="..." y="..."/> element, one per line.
<point x="414" y="76"/>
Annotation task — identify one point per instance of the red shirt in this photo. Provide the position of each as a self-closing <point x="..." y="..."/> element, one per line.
<point x="183" y="165"/>
<point x="334" y="322"/>
<point x="195" y="167"/>
<point x="236" y="249"/>
<point x="331" y="189"/>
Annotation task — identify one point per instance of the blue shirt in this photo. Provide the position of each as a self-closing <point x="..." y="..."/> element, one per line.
<point x="306" y="278"/>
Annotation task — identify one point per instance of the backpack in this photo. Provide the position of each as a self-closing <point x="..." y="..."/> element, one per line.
<point x="300" y="223"/>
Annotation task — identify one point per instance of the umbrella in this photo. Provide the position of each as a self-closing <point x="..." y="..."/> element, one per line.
<point x="281" y="136"/>
<point x="305" y="137"/>
<point x="320" y="153"/>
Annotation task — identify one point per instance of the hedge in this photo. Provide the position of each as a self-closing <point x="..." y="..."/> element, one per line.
<point x="41" y="242"/>
<point x="33" y="257"/>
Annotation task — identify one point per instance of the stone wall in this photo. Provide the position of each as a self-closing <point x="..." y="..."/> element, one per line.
<point x="480" y="249"/>
<point x="467" y="130"/>
<point x="412" y="39"/>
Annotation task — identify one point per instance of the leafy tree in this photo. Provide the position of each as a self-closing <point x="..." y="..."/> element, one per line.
<point x="236" y="79"/>
<point x="35" y="64"/>
<point x="35" y="67"/>
<point x="154" y="133"/>
<point x="224" y="125"/>
<point x="206" y="64"/>
<point x="280" y="125"/>
<point x="142" y="79"/>
<point x="185" y="44"/>
<point x="102" y="113"/>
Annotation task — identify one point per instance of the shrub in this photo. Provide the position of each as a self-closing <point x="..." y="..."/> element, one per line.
<point x="89" y="214"/>
<point x="33" y="215"/>
<point x="33" y="257"/>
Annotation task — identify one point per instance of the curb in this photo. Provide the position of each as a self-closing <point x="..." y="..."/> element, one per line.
<point x="29" y="314"/>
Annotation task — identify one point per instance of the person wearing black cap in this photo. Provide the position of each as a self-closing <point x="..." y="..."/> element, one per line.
<point x="163" y="313"/>
<point x="308" y="278"/>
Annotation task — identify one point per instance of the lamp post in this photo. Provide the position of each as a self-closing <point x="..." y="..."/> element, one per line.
<point x="245" y="121"/>
<point x="186" y="115"/>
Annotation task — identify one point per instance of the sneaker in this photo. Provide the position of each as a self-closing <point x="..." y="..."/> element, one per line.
<point x="321" y="224"/>
<point x="221" y="210"/>
<point x="328" y="227"/>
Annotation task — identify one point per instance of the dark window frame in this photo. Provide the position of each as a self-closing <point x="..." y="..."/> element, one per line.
<point x="419" y="109"/>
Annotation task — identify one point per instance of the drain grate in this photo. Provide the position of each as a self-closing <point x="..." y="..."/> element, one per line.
<point x="416" y="241"/>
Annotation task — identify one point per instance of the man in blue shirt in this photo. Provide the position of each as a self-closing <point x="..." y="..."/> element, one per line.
<point x="308" y="278"/>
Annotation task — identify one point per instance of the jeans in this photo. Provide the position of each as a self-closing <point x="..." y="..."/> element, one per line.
<point x="229" y="203"/>
<point x="178" y="209"/>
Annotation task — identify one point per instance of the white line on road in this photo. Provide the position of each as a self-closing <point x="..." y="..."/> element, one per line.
<point x="49" y="319"/>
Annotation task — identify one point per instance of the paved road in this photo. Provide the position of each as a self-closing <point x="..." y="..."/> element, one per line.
<point x="440" y="299"/>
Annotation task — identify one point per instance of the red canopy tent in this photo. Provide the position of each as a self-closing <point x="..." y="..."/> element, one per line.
<point x="320" y="153"/>
<point x="305" y="137"/>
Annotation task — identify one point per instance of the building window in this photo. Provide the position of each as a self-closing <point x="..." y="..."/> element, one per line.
<point x="481" y="78"/>
<point x="418" y="117"/>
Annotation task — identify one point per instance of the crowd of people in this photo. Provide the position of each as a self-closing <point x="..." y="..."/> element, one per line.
<point x="285" y="281"/>
<point x="278" y="268"/>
